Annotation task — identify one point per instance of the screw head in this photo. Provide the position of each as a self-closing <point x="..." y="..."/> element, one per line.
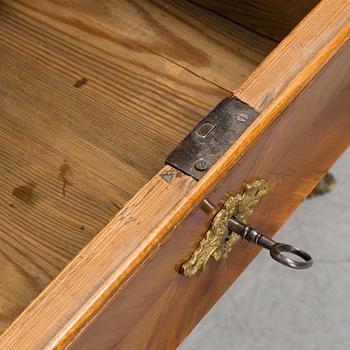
<point x="242" y="117"/>
<point x="201" y="165"/>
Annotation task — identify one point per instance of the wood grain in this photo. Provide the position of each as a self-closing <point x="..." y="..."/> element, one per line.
<point x="101" y="270"/>
<point x="305" y="45"/>
<point x="69" y="166"/>
<point x="272" y="18"/>
<point x="86" y="118"/>
<point x="159" y="307"/>
<point x="202" y="42"/>
<point x="147" y="216"/>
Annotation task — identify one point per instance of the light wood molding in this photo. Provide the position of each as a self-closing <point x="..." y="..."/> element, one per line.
<point x="303" y="49"/>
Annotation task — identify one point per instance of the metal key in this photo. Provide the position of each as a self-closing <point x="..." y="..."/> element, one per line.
<point x="276" y="249"/>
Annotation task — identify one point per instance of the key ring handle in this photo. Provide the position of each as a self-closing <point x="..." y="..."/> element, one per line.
<point x="278" y="249"/>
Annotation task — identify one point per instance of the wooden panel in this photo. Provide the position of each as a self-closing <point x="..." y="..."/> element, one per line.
<point x="273" y="18"/>
<point x="206" y="44"/>
<point x="306" y="46"/>
<point x="72" y="154"/>
<point x="120" y="78"/>
<point x="158" y="308"/>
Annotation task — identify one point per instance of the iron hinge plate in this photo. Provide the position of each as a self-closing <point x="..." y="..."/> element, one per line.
<point x="209" y="140"/>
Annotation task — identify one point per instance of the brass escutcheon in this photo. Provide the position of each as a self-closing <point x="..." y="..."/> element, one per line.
<point x="216" y="242"/>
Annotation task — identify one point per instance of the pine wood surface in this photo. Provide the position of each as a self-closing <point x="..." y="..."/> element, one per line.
<point x="88" y="115"/>
<point x="181" y="32"/>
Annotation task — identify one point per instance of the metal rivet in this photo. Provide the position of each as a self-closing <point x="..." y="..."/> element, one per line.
<point x="242" y="117"/>
<point x="201" y="165"/>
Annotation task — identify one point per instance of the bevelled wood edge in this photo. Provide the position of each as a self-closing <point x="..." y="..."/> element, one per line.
<point x="104" y="266"/>
<point x="299" y="50"/>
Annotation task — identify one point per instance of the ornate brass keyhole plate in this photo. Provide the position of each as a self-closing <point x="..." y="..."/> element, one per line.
<point x="216" y="242"/>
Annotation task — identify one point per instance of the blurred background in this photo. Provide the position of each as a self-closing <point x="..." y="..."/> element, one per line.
<point x="273" y="307"/>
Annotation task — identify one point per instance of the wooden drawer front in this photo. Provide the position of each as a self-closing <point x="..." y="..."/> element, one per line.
<point x="158" y="307"/>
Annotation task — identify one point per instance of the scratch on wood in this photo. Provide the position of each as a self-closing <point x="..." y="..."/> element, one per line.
<point x="25" y="193"/>
<point x="65" y="172"/>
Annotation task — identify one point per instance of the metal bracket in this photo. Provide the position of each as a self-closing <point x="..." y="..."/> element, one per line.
<point x="212" y="137"/>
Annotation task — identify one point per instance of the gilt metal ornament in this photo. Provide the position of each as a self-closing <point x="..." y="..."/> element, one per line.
<point x="217" y="243"/>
